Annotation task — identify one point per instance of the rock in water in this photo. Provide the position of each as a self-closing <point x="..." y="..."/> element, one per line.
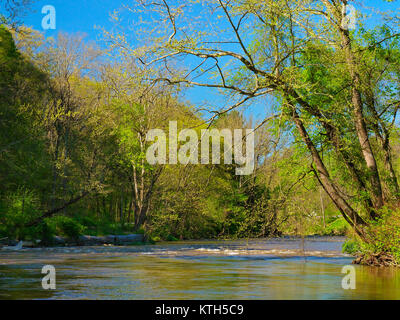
<point x="59" y="240"/>
<point x="12" y="248"/>
<point x="129" y="238"/>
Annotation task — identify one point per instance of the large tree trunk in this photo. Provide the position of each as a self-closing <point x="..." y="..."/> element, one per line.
<point x="142" y="194"/>
<point x="334" y="137"/>
<point x="349" y="214"/>
<point x="383" y="135"/>
<point x="359" y="121"/>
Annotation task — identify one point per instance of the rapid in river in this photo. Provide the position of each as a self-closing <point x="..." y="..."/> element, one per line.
<point x="277" y="268"/>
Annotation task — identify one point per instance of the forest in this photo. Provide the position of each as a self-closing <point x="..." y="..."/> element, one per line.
<point x="75" y="115"/>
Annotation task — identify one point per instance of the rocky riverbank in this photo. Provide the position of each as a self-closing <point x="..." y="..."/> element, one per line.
<point x="84" y="240"/>
<point x="376" y="260"/>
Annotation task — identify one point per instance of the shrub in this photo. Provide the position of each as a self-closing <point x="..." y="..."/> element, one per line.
<point x="382" y="245"/>
<point x="171" y="238"/>
<point x="337" y="227"/>
<point x="384" y="234"/>
<point x="351" y="246"/>
<point x="66" y="226"/>
<point x="18" y="209"/>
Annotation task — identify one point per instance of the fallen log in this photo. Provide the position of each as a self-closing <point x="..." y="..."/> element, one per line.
<point x="110" y="239"/>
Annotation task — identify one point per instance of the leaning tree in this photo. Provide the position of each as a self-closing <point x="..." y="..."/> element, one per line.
<point x="337" y="88"/>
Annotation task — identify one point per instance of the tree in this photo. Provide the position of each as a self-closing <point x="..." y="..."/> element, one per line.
<point x="12" y="11"/>
<point x="274" y="61"/>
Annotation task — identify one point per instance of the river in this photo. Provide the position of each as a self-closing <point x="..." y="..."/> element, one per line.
<point x="278" y="268"/>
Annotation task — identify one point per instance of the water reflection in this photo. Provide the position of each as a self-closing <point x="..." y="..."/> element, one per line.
<point x="258" y="269"/>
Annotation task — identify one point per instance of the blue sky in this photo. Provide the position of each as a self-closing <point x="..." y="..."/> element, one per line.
<point x="83" y="15"/>
<point x="74" y="15"/>
<point x="86" y="16"/>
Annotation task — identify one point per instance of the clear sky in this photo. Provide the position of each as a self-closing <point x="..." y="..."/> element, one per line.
<point x="83" y="15"/>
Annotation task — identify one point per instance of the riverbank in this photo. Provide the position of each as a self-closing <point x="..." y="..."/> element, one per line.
<point x="376" y="260"/>
<point x="274" y="268"/>
<point x="373" y="260"/>
<point x="84" y="240"/>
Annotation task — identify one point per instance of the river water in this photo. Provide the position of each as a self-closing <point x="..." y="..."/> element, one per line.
<point x="279" y="268"/>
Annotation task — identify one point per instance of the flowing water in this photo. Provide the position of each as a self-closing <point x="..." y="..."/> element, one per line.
<point x="283" y="268"/>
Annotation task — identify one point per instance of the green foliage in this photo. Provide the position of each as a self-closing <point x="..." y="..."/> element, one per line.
<point x="70" y="124"/>
<point x="382" y="237"/>
<point x="17" y="210"/>
<point x="384" y="234"/>
<point x="171" y="238"/>
<point x="96" y="226"/>
<point x="337" y="227"/>
<point x="351" y="247"/>
<point x="65" y="226"/>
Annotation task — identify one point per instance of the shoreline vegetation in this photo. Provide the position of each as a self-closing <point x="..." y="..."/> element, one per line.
<point x="381" y="260"/>
<point x="75" y="117"/>
<point x="363" y="254"/>
<point x="126" y="239"/>
<point x="83" y="240"/>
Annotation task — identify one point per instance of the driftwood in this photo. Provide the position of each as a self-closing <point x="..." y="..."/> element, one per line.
<point x="85" y="240"/>
<point x="110" y="239"/>
<point x="377" y="260"/>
